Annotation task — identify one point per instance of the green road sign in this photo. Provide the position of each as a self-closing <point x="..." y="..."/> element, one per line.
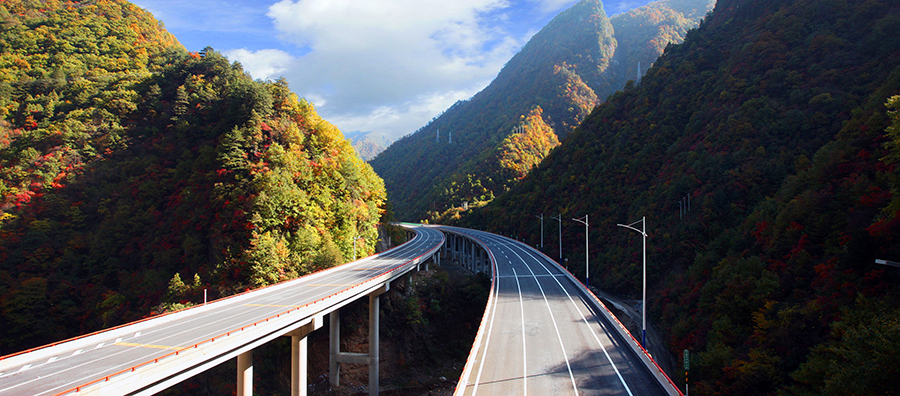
<point x="687" y="365"/>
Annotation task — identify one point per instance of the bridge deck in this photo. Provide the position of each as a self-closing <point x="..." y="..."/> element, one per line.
<point x="139" y="357"/>
<point x="543" y="334"/>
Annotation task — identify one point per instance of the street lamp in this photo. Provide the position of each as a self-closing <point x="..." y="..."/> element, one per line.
<point x="542" y="230"/>
<point x="559" y="219"/>
<point x="643" y="232"/>
<point x="587" y="262"/>
<point x="354" y="246"/>
<point x="886" y="262"/>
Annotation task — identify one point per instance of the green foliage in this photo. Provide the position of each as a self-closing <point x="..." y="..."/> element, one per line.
<point x="566" y="69"/>
<point x="862" y="356"/>
<point x="770" y="121"/>
<point x="112" y="180"/>
<point x="893" y="131"/>
<point x="439" y="313"/>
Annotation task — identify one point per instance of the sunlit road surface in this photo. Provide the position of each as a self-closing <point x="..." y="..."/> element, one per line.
<point x="542" y="335"/>
<point x="127" y="351"/>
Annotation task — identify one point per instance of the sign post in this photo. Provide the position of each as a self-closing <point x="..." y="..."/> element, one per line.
<point x="687" y="366"/>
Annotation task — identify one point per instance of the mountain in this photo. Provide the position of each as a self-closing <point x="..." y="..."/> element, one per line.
<point x="135" y="175"/>
<point x="763" y="152"/>
<point x="471" y="152"/>
<point x="368" y="144"/>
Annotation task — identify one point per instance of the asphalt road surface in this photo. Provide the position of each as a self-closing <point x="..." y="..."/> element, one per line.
<point x="60" y="368"/>
<point x="543" y="336"/>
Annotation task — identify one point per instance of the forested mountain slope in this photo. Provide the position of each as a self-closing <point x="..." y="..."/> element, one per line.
<point x="134" y="174"/>
<point x="765" y="159"/>
<point x="543" y="92"/>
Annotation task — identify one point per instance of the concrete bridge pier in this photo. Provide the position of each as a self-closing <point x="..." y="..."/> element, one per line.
<point x="299" y="356"/>
<point x="245" y="374"/>
<point x="451" y="242"/>
<point x="481" y="260"/>
<point x="467" y="253"/>
<point x="457" y="248"/>
<point x="336" y="357"/>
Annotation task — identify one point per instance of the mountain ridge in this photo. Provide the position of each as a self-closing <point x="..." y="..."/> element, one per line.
<point x="368" y="144"/>
<point x="762" y="153"/>
<point x="562" y="72"/>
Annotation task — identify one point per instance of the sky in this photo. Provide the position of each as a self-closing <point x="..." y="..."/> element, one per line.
<point x="386" y="66"/>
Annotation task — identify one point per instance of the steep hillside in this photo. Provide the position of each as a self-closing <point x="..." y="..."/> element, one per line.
<point x="128" y="186"/>
<point x="765" y="160"/>
<point x="643" y="33"/>
<point x="566" y="69"/>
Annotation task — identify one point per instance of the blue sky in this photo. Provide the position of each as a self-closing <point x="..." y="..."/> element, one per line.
<point x="387" y="66"/>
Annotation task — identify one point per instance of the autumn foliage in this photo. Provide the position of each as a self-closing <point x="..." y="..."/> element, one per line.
<point x="566" y="69"/>
<point x="134" y="175"/>
<point x="763" y="152"/>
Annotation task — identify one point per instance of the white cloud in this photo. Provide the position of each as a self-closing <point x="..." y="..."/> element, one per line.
<point x="404" y="118"/>
<point x="553" y="5"/>
<point x="262" y="64"/>
<point x="388" y="66"/>
<point x="367" y="59"/>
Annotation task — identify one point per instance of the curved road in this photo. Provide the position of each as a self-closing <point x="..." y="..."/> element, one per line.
<point x="206" y="334"/>
<point x="542" y="334"/>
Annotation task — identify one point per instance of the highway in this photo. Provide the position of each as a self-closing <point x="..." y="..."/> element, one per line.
<point x="543" y="334"/>
<point x="148" y="356"/>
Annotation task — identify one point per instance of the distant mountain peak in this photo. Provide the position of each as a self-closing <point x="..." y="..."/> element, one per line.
<point x="368" y="144"/>
<point x="565" y="70"/>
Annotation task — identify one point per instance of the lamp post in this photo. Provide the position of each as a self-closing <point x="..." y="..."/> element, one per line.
<point x="643" y="232"/>
<point x="354" y="246"/>
<point x="587" y="261"/>
<point x="542" y="230"/>
<point x="559" y="219"/>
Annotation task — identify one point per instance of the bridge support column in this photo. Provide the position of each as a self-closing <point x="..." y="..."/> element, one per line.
<point x="469" y="259"/>
<point x="337" y="357"/>
<point x="452" y="240"/>
<point x="299" y="350"/>
<point x="374" y="309"/>
<point x="245" y="374"/>
<point x="464" y="254"/>
<point x="334" y="347"/>
<point x="481" y="260"/>
<point x="485" y="262"/>
<point x="299" y="359"/>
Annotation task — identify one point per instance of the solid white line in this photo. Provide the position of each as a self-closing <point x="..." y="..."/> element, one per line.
<point x="524" y="354"/>
<point x="487" y="341"/>
<point x="555" y="326"/>
<point x="583" y="319"/>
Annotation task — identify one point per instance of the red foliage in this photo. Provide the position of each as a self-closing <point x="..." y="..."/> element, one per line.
<point x="875" y="198"/>
<point x="799" y="247"/>
<point x="885" y="227"/>
<point x="760" y="232"/>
